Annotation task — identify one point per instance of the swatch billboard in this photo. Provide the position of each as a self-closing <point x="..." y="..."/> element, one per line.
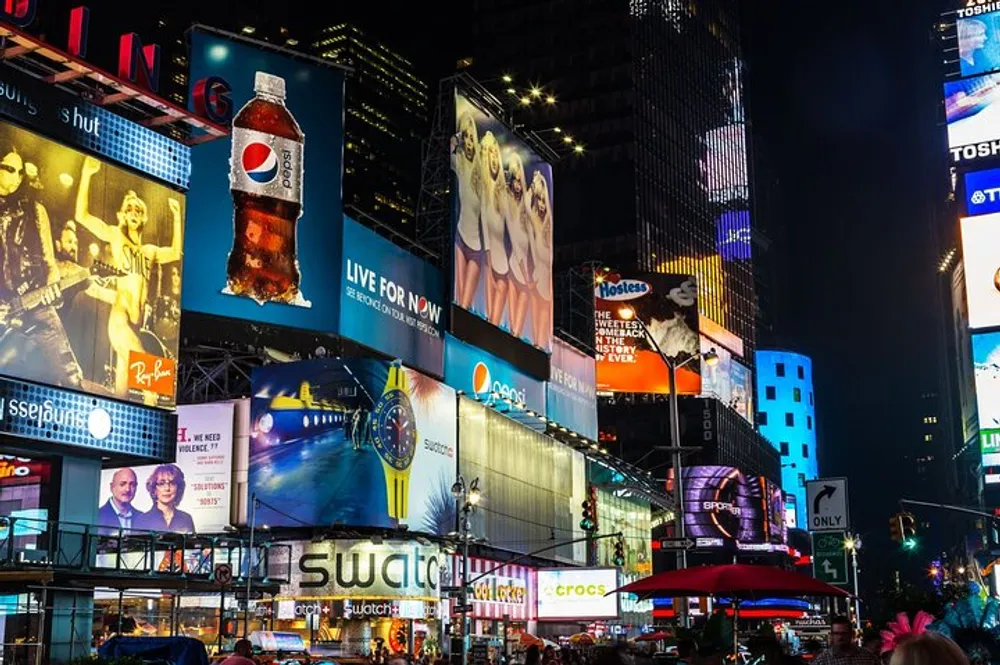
<point x="359" y="442"/>
<point x="266" y="202"/>
<point x="90" y="294"/>
<point x="570" y="395"/>
<point x="488" y="378"/>
<point x="629" y="310"/>
<point x="980" y="237"/>
<point x="391" y="300"/>
<point x="503" y="219"/>
<point x="191" y="495"/>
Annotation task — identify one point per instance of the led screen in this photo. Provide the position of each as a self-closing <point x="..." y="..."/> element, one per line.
<point x="979" y="43"/>
<point x="972" y="110"/>
<point x="980" y="238"/>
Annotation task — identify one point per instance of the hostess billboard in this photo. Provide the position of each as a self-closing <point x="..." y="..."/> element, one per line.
<point x="359" y="442"/>
<point x="570" y="395"/>
<point x="503" y="216"/>
<point x="266" y="202"/>
<point x="636" y="315"/>
<point x="982" y="192"/>
<point x="391" y="300"/>
<point x="488" y="378"/>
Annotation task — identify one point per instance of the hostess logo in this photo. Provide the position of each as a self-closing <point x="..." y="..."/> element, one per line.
<point x="260" y="162"/>
<point x="982" y="192"/>
<point x="483" y="382"/>
<point x="614" y="288"/>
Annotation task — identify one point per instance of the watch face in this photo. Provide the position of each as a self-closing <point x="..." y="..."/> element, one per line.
<point x="394" y="429"/>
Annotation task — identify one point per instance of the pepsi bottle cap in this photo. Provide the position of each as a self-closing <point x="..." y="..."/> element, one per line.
<point x="269" y="84"/>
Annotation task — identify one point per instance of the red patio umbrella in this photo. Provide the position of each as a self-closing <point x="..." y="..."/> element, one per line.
<point x="736" y="580"/>
<point x="654" y="637"/>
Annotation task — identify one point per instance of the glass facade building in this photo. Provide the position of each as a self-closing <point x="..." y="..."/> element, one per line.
<point x="786" y="416"/>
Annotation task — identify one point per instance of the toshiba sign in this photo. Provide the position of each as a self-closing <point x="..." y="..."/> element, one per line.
<point x="577" y="593"/>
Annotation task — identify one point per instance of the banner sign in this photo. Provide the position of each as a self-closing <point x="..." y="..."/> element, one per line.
<point x="629" y="310"/>
<point x="570" y="398"/>
<point x="391" y="300"/>
<point x="200" y="495"/>
<point x="62" y="115"/>
<point x="266" y="203"/>
<point x="354" y="441"/>
<point x="982" y="192"/>
<point x="577" y="593"/>
<point x="479" y="373"/>
<point x="42" y="418"/>
<point x="342" y="569"/>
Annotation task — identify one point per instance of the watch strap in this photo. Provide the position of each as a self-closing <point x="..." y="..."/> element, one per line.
<point x="397" y="484"/>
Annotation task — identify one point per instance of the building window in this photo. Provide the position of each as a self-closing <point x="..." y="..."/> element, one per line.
<point x="809" y="422"/>
<point x="779" y="369"/>
<point x="810" y="398"/>
<point x="797" y="394"/>
<point x="762" y="417"/>
<point x="802" y="480"/>
<point x="802" y="372"/>
<point x="784" y="447"/>
<point x="805" y="451"/>
<point x="790" y="419"/>
<point x="928" y="437"/>
<point x="769" y="392"/>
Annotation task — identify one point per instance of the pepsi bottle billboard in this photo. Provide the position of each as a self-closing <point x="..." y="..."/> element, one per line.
<point x="391" y="300"/>
<point x="265" y="203"/>
<point x="982" y="192"/>
<point x="489" y="379"/>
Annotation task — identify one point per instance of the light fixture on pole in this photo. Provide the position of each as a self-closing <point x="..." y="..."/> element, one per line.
<point x="852" y="544"/>
<point x="466" y="499"/>
<point x="710" y="358"/>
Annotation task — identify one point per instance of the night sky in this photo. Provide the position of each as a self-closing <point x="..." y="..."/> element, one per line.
<point x="845" y="100"/>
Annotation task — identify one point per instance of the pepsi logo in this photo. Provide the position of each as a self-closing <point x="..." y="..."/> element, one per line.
<point x="260" y="162"/>
<point x="422" y="308"/>
<point x="481" y="382"/>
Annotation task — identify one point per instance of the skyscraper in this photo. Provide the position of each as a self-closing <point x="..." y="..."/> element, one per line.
<point x="786" y="415"/>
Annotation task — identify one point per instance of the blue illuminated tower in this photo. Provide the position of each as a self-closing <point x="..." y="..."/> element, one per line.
<point x="786" y="415"/>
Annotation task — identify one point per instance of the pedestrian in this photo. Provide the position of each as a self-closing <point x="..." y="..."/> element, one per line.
<point x="534" y="656"/>
<point x="928" y="649"/>
<point x="687" y="650"/>
<point x="844" y="650"/>
<point x="242" y="654"/>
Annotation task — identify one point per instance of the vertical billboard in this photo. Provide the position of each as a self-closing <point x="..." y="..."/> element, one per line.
<point x="391" y="300"/>
<point x="986" y="359"/>
<point x="963" y="344"/>
<point x="570" y="395"/>
<point x="971" y="109"/>
<point x="503" y="217"/>
<point x="625" y="309"/>
<point x="980" y="237"/>
<point x="359" y="442"/>
<point x="91" y="282"/>
<point x="978" y="43"/>
<point x="266" y="202"/>
<point x="741" y="399"/>
<point x="476" y="372"/>
<point x="192" y="495"/>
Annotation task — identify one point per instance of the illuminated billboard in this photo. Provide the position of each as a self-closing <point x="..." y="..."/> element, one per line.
<point x="570" y="399"/>
<point x="979" y="43"/>
<point x="721" y="503"/>
<point x="972" y="110"/>
<point x="725" y="164"/>
<point x="503" y="219"/>
<point x="192" y="495"/>
<point x="490" y="379"/>
<point x="577" y="593"/>
<point x="391" y="300"/>
<point x="352" y="441"/>
<point x="733" y="235"/>
<point x="628" y="361"/>
<point x="980" y="238"/>
<point x="266" y="202"/>
<point x="90" y="295"/>
<point x="986" y="359"/>
<point x="982" y="192"/>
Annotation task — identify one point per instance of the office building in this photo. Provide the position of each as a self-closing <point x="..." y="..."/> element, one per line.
<point x="786" y="415"/>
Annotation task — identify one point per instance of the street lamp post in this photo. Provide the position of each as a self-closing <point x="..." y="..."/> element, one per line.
<point x="253" y="527"/>
<point x="466" y="498"/>
<point x="852" y="544"/>
<point x="711" y="357"/>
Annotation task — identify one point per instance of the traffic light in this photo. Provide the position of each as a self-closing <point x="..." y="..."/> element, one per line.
<point x="896" y="528"/>
<point x="908" y="528"/>
<point x="619" y="556"/>
<point x="589" y="521"/>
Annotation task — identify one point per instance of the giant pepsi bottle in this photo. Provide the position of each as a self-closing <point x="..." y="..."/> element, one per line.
<point x="265" y="178"/>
